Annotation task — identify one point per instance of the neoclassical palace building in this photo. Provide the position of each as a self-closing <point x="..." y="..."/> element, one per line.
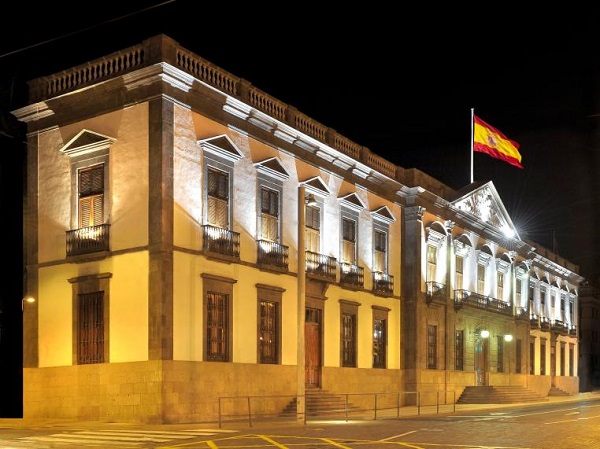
<point x="191" y="241"/>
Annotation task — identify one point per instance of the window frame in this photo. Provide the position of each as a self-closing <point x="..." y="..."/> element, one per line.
<point x="432" y="339"/>
<point x="349" y="335"/>
<point x="380" y="345"/>
<point x="221" y="286"/>
<point x="273" y="295"/>
<point x="84" y="285"/>
<point x="87" y="161"/>
<point x="459" y="350"/>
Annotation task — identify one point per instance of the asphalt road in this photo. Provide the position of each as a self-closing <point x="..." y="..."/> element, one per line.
<point x="569" y="424"/>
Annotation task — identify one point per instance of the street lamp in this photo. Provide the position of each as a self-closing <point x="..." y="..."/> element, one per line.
<point x="30" y="299"/>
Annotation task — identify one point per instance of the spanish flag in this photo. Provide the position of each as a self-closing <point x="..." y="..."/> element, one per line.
<point x="488" y="140"/>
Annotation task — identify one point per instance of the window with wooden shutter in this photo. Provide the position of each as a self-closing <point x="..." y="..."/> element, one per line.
<point x="312" y="232"/>
<point x="218" y="198"/>
<point x="269" y="214"/>
<point x="90" y="338"/>
<point x="380" y="252"/>
<point x="91" y="196"/>
<point x="348" y="241"/>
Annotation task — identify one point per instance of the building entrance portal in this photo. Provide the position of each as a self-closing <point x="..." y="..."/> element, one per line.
<point x="312" y="341"/>
<point x="480" y="361"/>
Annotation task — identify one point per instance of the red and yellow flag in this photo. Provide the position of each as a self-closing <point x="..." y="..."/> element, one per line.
<point x="488" y="140"/>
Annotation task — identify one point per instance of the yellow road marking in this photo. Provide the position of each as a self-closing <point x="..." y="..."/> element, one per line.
<point x="327" y="440"/>
<point x="273" y="442"/>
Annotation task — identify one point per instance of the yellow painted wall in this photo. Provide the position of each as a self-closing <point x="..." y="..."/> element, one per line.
<point x="128" y="321"/>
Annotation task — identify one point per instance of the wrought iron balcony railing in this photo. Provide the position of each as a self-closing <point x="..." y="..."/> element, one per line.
<point x="559" y="327"/>
<point x="544" y="323"/>
<point x="573" y="330"/>
<point x="383" y="282"/>
<point x="88" y="240"/>
<point x="534" y="321"/>
<point x="221" y="241"/>
<point x="351" y="274"/>
<point x="321" y="265"/>
<point x="522" y="314"/>
<point x="272" y="254"/>
<point x="468" y="298"/>
<point x="435" y="292"/>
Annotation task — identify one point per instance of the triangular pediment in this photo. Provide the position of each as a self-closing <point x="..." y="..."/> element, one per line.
<point x="316" y="186"/>
<point x="383" y="214"/>
<point x="484" y="203"/>
<point x="352" y="201"/>
<point x="86" y="141"/>
<point x="221" y="146"/>
<point x="272" y="167"/>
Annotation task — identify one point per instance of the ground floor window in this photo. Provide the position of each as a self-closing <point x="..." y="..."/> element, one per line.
<point x="459" y="349"/>
<point x="431" y="346"/>
<point x="90" y="335"/>
<point x="380" y="331"/>
<point x="518" y="354"/>
<point x="218" y="323"/>
<point x="269" y="323"/>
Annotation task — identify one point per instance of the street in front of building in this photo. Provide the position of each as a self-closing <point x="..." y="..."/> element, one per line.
<point x="568" y="423"/>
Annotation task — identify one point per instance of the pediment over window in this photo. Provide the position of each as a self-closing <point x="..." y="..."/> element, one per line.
<point x="272" y="167"/>
<point x="221" y="146"/>
<point x="484" y="256"/>
<point x="485" y="204"/>
<point x="316" y="186"/>
<point x="383" y="214"/>
<point x="462" y="246"/>
<point x="85" y="142"/>
<point x="352" y="201"/>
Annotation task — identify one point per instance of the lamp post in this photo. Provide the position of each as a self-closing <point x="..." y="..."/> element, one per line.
<point x="301" y="311"/>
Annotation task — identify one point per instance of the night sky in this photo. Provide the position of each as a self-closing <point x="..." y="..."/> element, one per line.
<point x="401" y="83"/>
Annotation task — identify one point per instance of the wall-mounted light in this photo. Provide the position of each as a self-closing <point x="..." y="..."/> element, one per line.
<point x="29" y="299"/>
<point x="508" y="337"/>
<point x="310" y="200"/>
<point x="484" y="333"/>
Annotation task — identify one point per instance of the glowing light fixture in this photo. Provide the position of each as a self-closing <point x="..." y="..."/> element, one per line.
<point x="508" y="337"/>
<point x="29" y="299"/>
<point x="310" y="200"/>
<point x="484" y="333"/>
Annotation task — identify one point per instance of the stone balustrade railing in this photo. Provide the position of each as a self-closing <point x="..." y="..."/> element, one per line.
<point x="164" y="49"/>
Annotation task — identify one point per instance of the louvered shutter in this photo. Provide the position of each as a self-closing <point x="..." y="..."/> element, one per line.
<point x="91" y="196"/>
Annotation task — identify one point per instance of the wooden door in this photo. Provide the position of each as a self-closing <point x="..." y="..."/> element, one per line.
<point x="480" y="361"/>
<point x="312" y="349"/>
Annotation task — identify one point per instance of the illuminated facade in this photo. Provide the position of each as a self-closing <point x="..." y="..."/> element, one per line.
<point x="190" y="239"/>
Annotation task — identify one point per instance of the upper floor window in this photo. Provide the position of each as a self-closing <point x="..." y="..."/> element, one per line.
<point x="480" y="279"/>
<point x="269" y="214"/>
<point x="458" y="275"/>
<point x="431" y="262"/>
<point x="380" y="251"/>
<point x="217" y="198"/>
<point x="91" y="196"/>
<point x="518" y="287"/>
<point x="313" y="229"/>
<point x="500" y="285"/>
<point x="348" y="240"/>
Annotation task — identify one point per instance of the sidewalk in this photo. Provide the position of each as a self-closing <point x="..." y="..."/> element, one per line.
<point x="406" y="411"/>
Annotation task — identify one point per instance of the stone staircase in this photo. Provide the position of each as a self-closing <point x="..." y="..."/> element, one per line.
<point x="554" y="391"/>
<point x="498" y="395"/>
<point x="321" y="403"/>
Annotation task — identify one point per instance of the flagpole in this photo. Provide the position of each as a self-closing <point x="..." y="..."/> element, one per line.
<point x="472" y="115"/>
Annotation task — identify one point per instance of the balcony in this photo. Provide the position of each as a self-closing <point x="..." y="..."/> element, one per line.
<point x="351" y="275"/>
<point x="435" y="292"/>
<point x="573" y="330"/>
<point x="88" y="240"/>
<point x="383" y="282"/>
<point x="321" y="266"/>
<point x="220" y="241"/>
<point x="544" y="323"/>
<point x="559" y="327"/>
<point x="472" y="299"/>
<point x="522" y="314"/>
<point x="534" y="321"/>
<point x="272" y="255"/>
